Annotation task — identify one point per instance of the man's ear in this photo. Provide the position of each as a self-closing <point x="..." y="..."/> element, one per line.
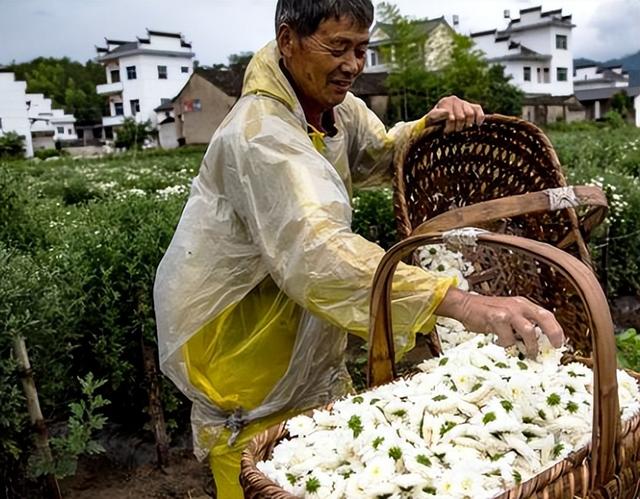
<point x="285" y="39"/>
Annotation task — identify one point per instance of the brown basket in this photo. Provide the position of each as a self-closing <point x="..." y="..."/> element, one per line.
<point x="503" y="176"/>
<point x="610" y="467"/>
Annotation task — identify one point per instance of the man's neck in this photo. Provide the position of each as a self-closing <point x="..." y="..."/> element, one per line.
<point x="312" y="113"/>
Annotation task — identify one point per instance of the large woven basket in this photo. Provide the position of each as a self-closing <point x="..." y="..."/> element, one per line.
<point x="609" y="467"/>
<point x="503" y="176"/>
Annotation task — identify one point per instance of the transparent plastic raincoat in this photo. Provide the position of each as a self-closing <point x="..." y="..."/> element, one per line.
<point x="264" y="277"/>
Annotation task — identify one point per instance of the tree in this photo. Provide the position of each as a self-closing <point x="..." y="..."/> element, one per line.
<point x="11" y="145"/>
<point x="408" y="79"/>
<point x="132" y="134"/>
<point x="469" y="76"/>
<point x="622" y="103"/>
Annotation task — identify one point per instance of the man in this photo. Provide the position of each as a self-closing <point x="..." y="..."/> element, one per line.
<point x="264" y="276"/>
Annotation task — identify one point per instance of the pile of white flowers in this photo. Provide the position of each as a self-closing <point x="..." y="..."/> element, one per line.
<point x="469" y="424"/>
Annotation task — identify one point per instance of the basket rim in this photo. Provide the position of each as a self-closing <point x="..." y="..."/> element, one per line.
<point x="420" y="134"/>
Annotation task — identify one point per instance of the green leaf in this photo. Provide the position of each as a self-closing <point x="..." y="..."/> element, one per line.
<point x="312" y="485"/>
<point x="355" y="424"/>
<point x="489" y="417"/>
<point x="395" y="452"/>
<point x="553" y="400"/>
<point x="506" y="405"/>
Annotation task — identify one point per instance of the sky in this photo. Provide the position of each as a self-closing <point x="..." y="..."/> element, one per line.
<point x="605" y="29"/>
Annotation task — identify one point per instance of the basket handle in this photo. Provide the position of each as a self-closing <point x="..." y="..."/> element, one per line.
<point x="523" y="204"/>
<point x="606" y="421"/>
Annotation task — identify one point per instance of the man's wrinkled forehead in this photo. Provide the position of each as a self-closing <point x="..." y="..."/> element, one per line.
<point x="342" y="30"/>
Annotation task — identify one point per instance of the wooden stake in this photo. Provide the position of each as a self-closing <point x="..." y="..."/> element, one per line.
<point x="35" y="413"/>
<point x="155" y="403"/>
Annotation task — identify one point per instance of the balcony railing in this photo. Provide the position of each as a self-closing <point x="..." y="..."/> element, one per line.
<point x="112" y="120"/>
<point x="109" y="88"/>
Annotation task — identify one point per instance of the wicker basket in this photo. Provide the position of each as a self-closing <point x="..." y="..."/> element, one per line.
<point x="610" y="467"/>
<point x="503" y="176"/>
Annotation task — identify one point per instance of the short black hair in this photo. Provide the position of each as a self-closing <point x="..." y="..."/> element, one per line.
<point x="304" y="16"/>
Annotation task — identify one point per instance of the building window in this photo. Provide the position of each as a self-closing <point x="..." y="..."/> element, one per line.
<point x="561" y="42"/>
<point x="60" y="129"/>
<point x="0" y="123"/>
<point x="135" y="106"/>
<point x="191" y="105"/>
<point x="561" y="74"/>
<point x="115" y="75"/>
<point x="184" y="69"/>
<point x="538" y="75"/>
<point x="374" y="58"/>
<point x="527" y="73"/>
<point x="118" y="108"/>
<point x="131" y="72"/>
<point x="162" y="72"/>
<point x="546" y="78"/>
<point x="70" y="131"/>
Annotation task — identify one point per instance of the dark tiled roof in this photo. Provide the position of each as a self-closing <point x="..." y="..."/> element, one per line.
<point x="484" y="33"/>
<point x="116" y="42"/>
<point x="167" y="106"/>
<point x="124" y="48"/>
<point x="548" y="99"/>
<point x="554" y="100"/>
<point x="551" y="12"/>
<point x="163" y="33"/>
<point x="370" y="84"/>
<point x="227" y="80"/>
<point x="605" y="93"/>
<point x="530" y="9"/>
<point x="585" y="65"/>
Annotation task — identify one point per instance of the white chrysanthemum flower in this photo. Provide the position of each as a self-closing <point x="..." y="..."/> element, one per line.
<point x="300" y="425"/>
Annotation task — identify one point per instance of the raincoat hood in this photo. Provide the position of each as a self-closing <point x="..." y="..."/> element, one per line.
<point x="265" y="77"/>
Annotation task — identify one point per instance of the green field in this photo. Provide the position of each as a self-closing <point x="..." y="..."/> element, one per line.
<point x="80" y="240"/>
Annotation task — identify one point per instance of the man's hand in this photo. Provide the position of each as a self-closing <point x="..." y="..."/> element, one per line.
<point x="458" y="113"/>
<point x="507" y="317"/>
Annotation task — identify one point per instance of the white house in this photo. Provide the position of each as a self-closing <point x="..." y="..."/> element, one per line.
<point x="590" y="76"/>
<point x="14" y="115"/>
<point x="596" y="85"/>
<point x="437" y="47"/>
<point x="143" y="74"/>
<point x="536" y="51"/>
<point x="49" y="125"/>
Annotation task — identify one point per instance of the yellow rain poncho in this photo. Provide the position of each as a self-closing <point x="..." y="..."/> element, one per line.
<point x="263" y="276"/>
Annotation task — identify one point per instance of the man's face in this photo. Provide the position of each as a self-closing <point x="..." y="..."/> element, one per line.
<point x="325" y="64"/>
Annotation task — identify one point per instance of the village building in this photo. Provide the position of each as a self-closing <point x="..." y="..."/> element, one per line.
<point x="14" y="114"/>
<point x="195" y="113"/>
<point x="141" y="75"/>
<point x="596" y="86"/>
<point x="49" y="126"/>
<point x="536" y="51"/>
<point x="438" y="36"/>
